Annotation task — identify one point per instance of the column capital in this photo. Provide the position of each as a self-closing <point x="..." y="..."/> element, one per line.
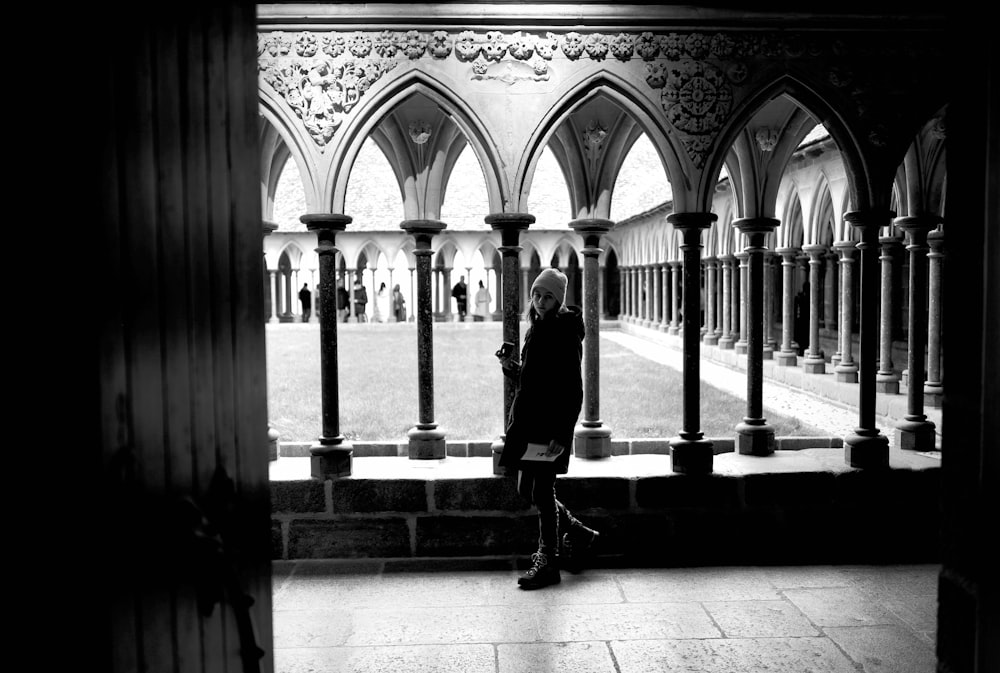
<point x="422" y="231"/>
<point x="936" y="240"/>
<point x="845" y="248"/>
<point x="756" y="225"/>
<point x="814" y="250"/>
<point x="918" y="227"/>
<point x="873" y="219"/>
<point x="269" y="227"/>
<point x="692" y="220"/>
<point x="591" y="229"/>
<point x="326" y="221"/>
<point x="742" y="256"/>
<point x="788" y="254"/>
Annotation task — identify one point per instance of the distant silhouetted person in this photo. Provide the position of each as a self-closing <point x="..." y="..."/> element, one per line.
<point x="306" y="298"/>
<point x="343" y="301"/>
<point x="380" y="307"/>
<point x="482" y="311"/>
<point x="360" y="301"/>
<point x="398" y="304"/>
<point x="460" y="293"/>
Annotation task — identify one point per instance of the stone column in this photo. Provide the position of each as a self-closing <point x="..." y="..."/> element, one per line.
<point x="690" y="452"/>
<point x="665" y="298"/>
<point x="413" y="289"/>
<point x="786" y="357"/>
<point x="510" y="226"/>
<point x="754" y="436"/>
<point x="769" y="343"/>
<point x="647" y="295"/>
<point x="847" y="369"/>
<point x="915" y="432"/>
<point x="426" y="441"/>
<point x="813" y="362"/>
<point x="727" y="341"/>
<point x="887" y="378"/>
<point x="331" y="456"/>
<point x="657" y="316"/>
<point x="272" y="434"/>
<point x="866" y="446"/>
<point x="831" y="301"/>
<point x="600" y="292"/>
<point x="446" y="294"/>
<point x="933" y="387"/>
<point x="675" y="297"/>
<point x="740" y="309"/>
<point x="273" y="317"/>
<point x="629" y="294"/>
<point x="593" y="438"/>
<point x="622" y="294"/>
<point x="711" y="269"/>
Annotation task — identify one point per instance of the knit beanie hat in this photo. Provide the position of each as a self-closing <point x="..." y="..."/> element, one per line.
<point x="554" y="281"/>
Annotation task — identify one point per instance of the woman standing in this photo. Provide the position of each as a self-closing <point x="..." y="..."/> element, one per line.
<point x="544" y="411"/>
<point x="483" y="299"/>
<point x="398" y="304"/>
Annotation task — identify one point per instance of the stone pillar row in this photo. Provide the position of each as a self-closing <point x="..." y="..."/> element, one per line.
<point x="737" y="315"/>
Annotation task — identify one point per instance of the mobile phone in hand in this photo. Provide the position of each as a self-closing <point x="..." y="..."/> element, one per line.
<point x="505" y="351"/>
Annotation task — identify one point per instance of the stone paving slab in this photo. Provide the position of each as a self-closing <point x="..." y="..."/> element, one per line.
<point x="357" y="617"/>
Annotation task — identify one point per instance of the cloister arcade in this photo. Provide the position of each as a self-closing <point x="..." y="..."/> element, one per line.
<point x="770" y="229"/>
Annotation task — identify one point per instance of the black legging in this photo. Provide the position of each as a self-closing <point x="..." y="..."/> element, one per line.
<point x="539" y="488"/>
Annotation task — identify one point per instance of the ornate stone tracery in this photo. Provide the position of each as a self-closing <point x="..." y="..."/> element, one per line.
<point x="323" y="75"/>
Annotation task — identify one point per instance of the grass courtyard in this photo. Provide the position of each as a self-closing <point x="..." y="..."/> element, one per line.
<point x="379" y="399"/>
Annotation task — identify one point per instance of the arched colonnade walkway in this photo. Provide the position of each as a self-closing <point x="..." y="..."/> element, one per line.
<point x="752" y="220"/>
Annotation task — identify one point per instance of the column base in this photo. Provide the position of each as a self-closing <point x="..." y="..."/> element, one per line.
<point x="272" y="443"/>
<point x="933" y="395"/>
<point x="835" y="360"/>
<point x="497" y="449"/>
<point x="592" y="441"/>
<point x="710" y="339"/>
<point x="741" y="348"/>
<point x="915" y="435"/>
<point x="847" y="373"/>
<point x="691" y="456"/>
<point x="664" y="327"/>
<point x="870" y="450"/>
<point x="767" y="353"/>
<point x="426" y="442"/>
<point x="754" y="440"/>
<point x="813" y="365"/>
<point x="786" y="358"/>
<point x="726" y="343"/>
<point x="331" y="461"/>
<point x="673" y="329"/>
<point x="887" y="383"/>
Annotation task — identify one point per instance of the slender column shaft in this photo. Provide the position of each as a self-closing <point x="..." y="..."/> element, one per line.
<point x="332" y="456"/>
<point x="657" y="295"/>
<point x="593" y="438"/>
<point x="887" y="379"/>
<point x="915" y="431"/>
<point x="691" y="453"/>
<point x="933" y="388"/>
<point x="711" y="269"/>
<point x="665" y="286"/>
<point x="866" y="446"/>
<point x="768" y="304"/>
<point x="426" y="441"/>
<point x="831" y="301"/>
<point x="754" y="436"/>
<point x="847" y="369"/>
<point x="726" y="340"/>
<point x="675" y="297"/>
<point x="814" y="362"/>
<point x="787" y="355"/>
<point x="741" y="313"/>
<point x="510" y="226"/>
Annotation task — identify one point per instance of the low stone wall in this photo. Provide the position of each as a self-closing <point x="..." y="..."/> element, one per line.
<point x="835" y="516"/>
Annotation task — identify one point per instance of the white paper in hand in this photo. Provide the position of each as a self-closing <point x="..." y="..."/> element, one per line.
<point x="540" y="453"/>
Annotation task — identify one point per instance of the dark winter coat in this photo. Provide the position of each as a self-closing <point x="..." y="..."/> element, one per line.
<point x="549" y="391"/>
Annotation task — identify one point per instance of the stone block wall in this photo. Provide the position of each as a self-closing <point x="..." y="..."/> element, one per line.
<point x="890" y="516"/>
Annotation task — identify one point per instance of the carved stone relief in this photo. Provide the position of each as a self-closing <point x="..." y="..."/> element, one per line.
<point x="322" y="76"/>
